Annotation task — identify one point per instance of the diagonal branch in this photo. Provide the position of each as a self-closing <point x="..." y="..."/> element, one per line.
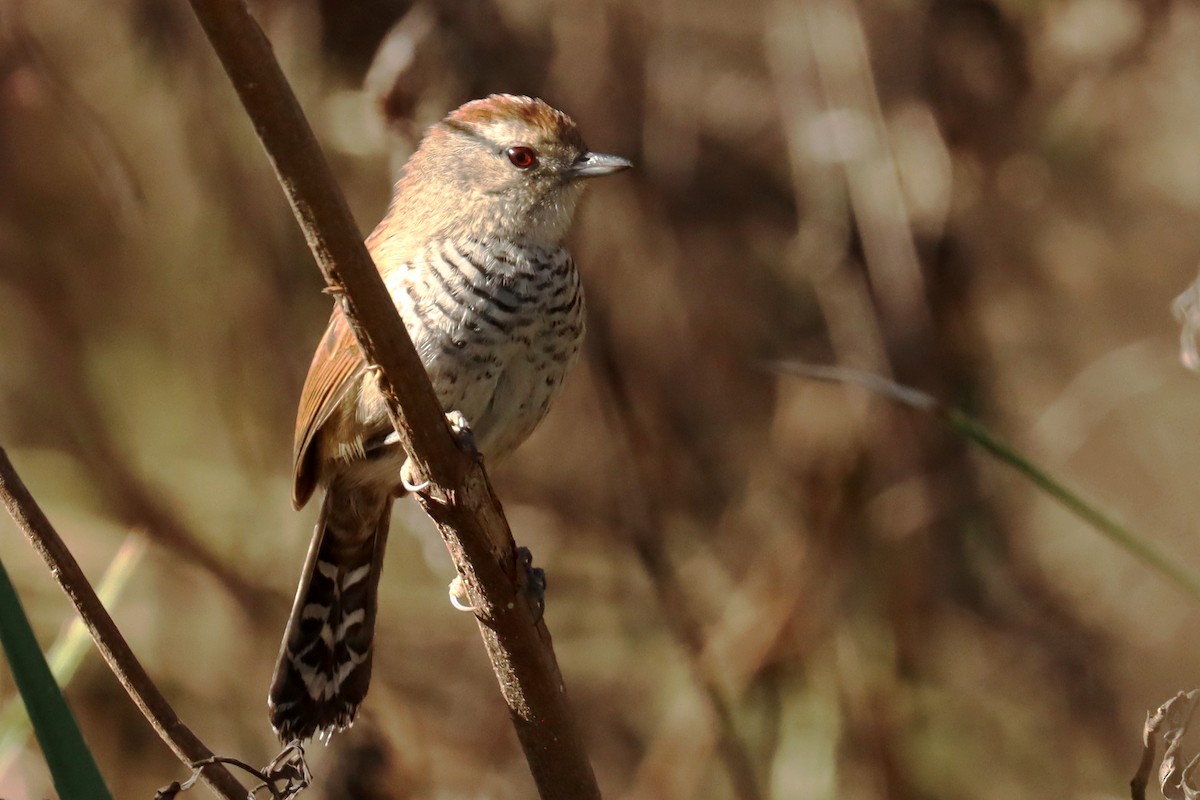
<point x="121" y="660"/>
<point x="460" y="499"/>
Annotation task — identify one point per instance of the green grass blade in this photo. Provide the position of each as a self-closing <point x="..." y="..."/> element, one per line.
<point x="1138" y="546"/>
<point x="75" y="774"/>
<point x="69" y="649"/>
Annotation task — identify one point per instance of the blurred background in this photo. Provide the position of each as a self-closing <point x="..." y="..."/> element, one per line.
<point x="759" y="586"/>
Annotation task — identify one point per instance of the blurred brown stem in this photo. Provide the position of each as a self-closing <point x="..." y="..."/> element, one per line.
<point x="109" y="641"/>
<point x="460" y="499"/>
<point x="135" y="501"/>
<point x="645" y="528"/>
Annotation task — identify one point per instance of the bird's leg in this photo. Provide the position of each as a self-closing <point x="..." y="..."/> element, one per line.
<point x="410" y="479"/>
<point x="531" y="581"/>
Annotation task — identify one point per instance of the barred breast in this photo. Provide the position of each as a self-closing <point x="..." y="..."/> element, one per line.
<point x="497" y="326"/>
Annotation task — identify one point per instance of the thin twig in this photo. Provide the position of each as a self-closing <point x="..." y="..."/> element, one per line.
<point x="111" y="644"/>
<point x="460" y="499"/>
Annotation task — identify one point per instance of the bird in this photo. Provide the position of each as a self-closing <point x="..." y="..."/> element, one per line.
<point x="471" y="252"/>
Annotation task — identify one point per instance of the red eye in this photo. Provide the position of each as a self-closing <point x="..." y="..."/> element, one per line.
<point x="522" y="157"/>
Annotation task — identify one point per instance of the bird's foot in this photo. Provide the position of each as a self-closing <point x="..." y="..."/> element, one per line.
<point x="460" y="429"/>
<point x="410" y="479"/>
<point x="463" y="435"/>
<point x="458" y="595"/>
<point x="531" y="581"/>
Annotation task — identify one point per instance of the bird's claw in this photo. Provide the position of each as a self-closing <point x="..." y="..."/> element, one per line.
<point x="458" y="595"/>
<point x="410" y="481"/>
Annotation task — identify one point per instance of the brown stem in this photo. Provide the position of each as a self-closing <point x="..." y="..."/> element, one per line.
<point x="460" y="499"/>
<point x="644" y="527"/>
<point x="121" y="660"/>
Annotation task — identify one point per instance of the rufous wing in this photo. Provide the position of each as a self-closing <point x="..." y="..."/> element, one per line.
<point x="337" y="364"/>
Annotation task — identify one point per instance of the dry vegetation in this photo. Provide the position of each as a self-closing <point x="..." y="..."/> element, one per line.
<point x="759" y="586"/>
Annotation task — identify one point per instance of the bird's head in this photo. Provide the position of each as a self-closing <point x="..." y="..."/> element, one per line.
<point x="505" y="166"/>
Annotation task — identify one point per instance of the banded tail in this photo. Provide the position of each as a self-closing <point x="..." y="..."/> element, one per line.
<point x="325" y="660"/>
